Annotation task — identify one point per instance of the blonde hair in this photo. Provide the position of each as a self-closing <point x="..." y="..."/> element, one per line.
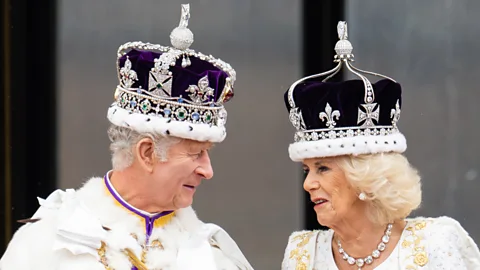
<point x="390" y="182"/>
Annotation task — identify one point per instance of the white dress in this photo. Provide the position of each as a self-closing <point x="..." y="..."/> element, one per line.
<point x="425" y="243"/>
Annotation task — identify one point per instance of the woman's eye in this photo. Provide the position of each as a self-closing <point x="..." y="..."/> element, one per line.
<point x="306" y="170"/>
<point x="323" y="168"/>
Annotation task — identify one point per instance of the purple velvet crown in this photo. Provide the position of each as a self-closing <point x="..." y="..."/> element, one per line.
<point x="174" y="91"/>
<point x="344" y="118"/>
<point x="346" y="98"/>
<point x="181" y="78"/>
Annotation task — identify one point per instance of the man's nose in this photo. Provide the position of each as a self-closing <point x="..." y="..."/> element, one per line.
<point x="205" y="169"/>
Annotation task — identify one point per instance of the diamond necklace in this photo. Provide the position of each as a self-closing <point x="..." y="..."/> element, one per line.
<point x="375" y="254"/>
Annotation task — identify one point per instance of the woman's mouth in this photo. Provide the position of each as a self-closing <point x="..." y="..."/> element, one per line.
<point x="319" y="201"/>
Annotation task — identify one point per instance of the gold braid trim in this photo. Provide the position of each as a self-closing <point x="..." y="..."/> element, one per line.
<point x="134" y="260"/>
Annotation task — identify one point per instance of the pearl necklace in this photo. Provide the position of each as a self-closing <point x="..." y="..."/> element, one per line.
<point x="375" y="254"/>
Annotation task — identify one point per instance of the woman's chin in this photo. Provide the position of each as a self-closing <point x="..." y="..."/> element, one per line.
<point x="324" y="219"/>
<point x="323" y="222"/>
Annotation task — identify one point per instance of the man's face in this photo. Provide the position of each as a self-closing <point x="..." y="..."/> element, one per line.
<point x="176" y="179"/>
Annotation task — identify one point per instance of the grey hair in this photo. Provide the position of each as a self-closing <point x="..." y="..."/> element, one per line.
<point x="124" y="139"/>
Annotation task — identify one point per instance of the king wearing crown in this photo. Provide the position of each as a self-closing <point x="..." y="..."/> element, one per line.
<point x="168" y="111"/>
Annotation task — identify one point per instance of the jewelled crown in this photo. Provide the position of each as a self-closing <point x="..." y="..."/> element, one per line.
<point x="172" y="90"/>
<point x="344" y="118"/>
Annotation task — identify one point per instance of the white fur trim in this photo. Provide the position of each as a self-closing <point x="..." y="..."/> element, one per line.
<point x="347" y="146"/>
<point x="200" y="132"/>
<point x="182" y="228"/>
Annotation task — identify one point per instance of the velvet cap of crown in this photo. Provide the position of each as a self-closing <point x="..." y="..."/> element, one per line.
<point x="352" y="117"/>
<point x="173" y="91"/>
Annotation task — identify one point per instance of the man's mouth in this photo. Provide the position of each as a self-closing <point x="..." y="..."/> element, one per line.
<point x="189" y="186"/>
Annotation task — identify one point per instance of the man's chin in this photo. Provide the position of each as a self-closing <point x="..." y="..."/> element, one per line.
<point x="184" y="202"/>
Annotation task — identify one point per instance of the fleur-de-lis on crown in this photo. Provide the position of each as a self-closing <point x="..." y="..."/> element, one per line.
<point x="329" y="115"/>
<point x="395" y="114"/>
<point x="127" y="74"/>
<point x="202" y="92"/>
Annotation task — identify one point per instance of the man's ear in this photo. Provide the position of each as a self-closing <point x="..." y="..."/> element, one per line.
<point x="145" y="152"/>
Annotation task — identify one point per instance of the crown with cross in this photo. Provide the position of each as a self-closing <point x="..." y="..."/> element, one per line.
<point x="173" y="91"/>
<point x="344" y="118"/>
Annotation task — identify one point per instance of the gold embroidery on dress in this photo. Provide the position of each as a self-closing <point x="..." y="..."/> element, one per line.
<point x="420" y="256"/>
<point x="299" y="253"/>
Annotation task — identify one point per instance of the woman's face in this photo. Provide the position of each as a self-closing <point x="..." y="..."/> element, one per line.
<point x="332" y="194"/>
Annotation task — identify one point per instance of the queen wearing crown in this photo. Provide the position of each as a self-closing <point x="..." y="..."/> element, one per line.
<point x="167" y="113"/>
<point x="361" y="185"/>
